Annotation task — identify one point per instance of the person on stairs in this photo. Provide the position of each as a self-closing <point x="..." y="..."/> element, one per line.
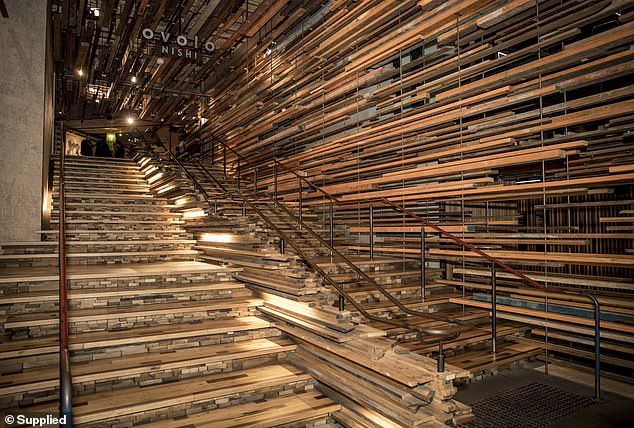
<point x="119" y="150"/>
<point x="103" y="150"/>
<point x="86" y="148"/>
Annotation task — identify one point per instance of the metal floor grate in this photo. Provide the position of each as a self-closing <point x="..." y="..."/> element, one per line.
<point x="530" y="406"/>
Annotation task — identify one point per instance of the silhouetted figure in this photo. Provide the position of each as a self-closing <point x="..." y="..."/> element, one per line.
<point x="86" y="148"/>
<point x="103" y="150"/>
<point x="119" y="150"/>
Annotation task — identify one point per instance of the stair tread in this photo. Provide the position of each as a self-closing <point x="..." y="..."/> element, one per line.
<point x="128" y="365"/>
<point x="261" y="414"/>
<point x="88" y="231"/>
<point x="117" y="221"/>
<point x="148" y="197"/>
<point x="94" y="340"/>
<point x="86" y="293"/>
<point x="72" y="242"/>
<point x="154" y="213"/>
<point x="84" y="315"/>
<point x="48" y="273"/>
<point x="134" y="400"/>
<point x="96" y="254"/>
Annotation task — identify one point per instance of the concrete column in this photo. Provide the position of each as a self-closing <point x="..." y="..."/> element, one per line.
<point x="25" y="117"/>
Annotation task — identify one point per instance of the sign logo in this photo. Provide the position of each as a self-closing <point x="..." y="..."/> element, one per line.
<point x="179" y="45"/>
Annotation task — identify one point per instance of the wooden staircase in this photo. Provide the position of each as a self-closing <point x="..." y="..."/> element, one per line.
<point x="156" y="335"/>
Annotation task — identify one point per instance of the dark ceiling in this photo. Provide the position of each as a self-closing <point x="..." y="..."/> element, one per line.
<point x="123" y="58"/>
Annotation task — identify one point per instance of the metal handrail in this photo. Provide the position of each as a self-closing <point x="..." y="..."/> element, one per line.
<point x="334" y="251"/>
<point x="466" y="245"/>
<point x="364" y="275"/>
<point x="421" y="332"/>
<point x="66" y="384"/>
<point x="287" y="169"/>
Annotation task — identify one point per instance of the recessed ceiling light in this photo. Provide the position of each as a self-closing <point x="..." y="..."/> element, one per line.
<point x="81" y="72"/>
<point x="133" y="79"/>
<point x="130" y="120"/>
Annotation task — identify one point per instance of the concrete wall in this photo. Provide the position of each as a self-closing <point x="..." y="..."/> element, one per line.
<point x="22" y="117"/>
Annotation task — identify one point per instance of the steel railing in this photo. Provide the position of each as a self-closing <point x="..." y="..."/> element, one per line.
<point x="66" y="384"/>
<point x="425" y="223"/>
<point x="439" y="333"/>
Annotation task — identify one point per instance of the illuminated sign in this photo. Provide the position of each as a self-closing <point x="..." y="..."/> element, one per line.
<point x="179" y="45"/>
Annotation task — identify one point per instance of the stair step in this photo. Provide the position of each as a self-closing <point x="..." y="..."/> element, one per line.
<point x="70" y="184"/>
<point x="38" y="379"/>
<point x="120" y="403"/>
<point x="268" y="412"/>
<point x="111" y="172"/>
<point x="103" y="339"/>
<point x="102" y="293"/>
<point x="35" y="274"/>
<point x="73" y="255"/>
<point x="147" y="197"/>
<point x="83" y="178"/>
<point x="111" y="231"/>
<point x="98" y="159"/>
<point x="151" y="310"/>
<point x="120" y="213"/>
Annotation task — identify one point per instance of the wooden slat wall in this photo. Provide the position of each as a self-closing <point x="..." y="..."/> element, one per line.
<point x="469" y="113"/>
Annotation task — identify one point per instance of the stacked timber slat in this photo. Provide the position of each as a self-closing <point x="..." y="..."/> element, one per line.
<point x="506" y="123"/>
<point x="154" y="333"/>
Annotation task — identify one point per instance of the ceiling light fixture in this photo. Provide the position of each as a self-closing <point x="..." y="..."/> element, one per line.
<point x="130" y="120"/>
<point x="133" y="79"/>
<point x="80" y="72"/>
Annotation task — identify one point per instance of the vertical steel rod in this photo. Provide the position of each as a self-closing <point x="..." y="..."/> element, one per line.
<point x="275" y="180"/>
<point x="301" y="184"/>
<point x="441" y="358"/>
<point x="224" y="155"/>
<point x="238" y="180"/>
<point x="423" y="268"/>
<point x="332" y="226"/>
<point x="331" y="221"/>
<point x="597" y="345"/>
<point x="494" y="321"/>
<point x="371" y="232"/>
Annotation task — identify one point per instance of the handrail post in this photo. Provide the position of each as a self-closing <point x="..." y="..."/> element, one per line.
<point x="301" y="185"/>
<point x="282" y="245"/>
<point x="494" y="321"/>
<point x="331" y="226"/>
<point x="423" y="268"/>
<point x="331" y="215"/>
<point x="371" y="231"/>
<point x="440" y="365"/>
<point x="275" y="180"/>
<point x="597" y="345"/>
<point x="224" y="160"/>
